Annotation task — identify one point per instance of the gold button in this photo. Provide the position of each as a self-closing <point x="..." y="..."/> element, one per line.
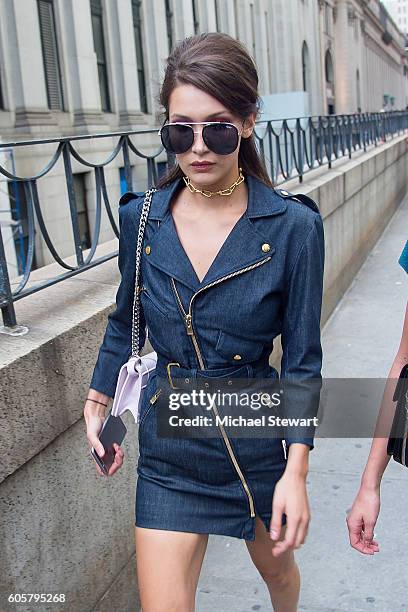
<point x="147" y="249"/>
<point x="266" y="247"/>
<point x="237" y="357"/>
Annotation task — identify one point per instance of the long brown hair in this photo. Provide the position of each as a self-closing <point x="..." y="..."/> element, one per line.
<point x="221" y="66"/>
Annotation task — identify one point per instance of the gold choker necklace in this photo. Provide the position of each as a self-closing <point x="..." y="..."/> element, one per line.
<point x="209" y="194"/>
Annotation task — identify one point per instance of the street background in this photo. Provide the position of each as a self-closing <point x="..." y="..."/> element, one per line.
<point x="360" y="339"/>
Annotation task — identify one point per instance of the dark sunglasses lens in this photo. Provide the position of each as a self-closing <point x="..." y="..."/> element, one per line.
<point x="221" y="138"/>
<point x="177" y="138"/>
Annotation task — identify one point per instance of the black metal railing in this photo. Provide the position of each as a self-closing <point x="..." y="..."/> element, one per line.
<point x="290" y="148"/>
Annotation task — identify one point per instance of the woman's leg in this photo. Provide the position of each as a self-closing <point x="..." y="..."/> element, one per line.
<point x="168" y="568"/>
<point x="281" y="574"/>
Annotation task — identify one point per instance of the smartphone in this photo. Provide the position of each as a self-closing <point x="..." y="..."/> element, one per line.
<point x="113" y="430"/>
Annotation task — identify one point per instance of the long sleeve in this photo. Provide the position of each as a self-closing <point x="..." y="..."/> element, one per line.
<point x="116" y="346"/>
<point x="301" y="337"/>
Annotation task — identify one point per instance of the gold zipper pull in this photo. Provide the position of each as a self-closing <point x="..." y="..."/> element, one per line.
<point x="155" y="396"/>
<point x="189" y="326"/>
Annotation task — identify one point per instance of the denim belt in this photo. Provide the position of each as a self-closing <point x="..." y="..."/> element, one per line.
<point x="174" y="370"/>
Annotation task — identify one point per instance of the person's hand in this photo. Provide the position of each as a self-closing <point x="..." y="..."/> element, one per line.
<point x="94" y="415"/>
<point x="361" y="519"/>
<point x="290" y="497"/>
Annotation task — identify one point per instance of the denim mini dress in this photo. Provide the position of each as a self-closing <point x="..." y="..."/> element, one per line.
<point x="266" y="280"/>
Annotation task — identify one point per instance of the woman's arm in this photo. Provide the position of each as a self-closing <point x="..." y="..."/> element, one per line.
<point x="366" y="507"/>
<point x="378" y="459"/>
<point x="301" y="362"/>
<point x="301" y="367"/>
<point x="116" y="346"/>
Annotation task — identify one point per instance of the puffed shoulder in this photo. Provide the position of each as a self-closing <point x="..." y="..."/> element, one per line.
<point x="130" y="195"/>
<point x="299" y="197"/>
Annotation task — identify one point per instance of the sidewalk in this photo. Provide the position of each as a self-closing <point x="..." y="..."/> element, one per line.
<point x="360" y="339"/>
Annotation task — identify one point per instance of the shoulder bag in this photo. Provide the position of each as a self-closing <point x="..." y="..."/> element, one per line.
<point x="134" y="374"/>
<point x="397" y="445"/>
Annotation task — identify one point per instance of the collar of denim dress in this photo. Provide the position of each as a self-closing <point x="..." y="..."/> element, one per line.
<point x="262" y="200"/>
<point x="168" y="255"/>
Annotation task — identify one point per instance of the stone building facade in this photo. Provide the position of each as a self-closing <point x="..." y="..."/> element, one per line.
<point x="72" y="67"/>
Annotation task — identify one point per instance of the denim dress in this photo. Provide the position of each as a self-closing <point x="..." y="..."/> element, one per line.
<point x="266" y="280"/>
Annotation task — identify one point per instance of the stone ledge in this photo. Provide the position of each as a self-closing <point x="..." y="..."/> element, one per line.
<point x="45" y="374"/>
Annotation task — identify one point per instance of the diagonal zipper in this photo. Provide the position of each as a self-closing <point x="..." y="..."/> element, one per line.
<point x="188" y="319"/>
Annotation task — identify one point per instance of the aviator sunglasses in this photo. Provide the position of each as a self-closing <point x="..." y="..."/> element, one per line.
<point x="221" y="137"/>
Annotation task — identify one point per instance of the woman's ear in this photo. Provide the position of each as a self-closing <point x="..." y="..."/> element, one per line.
<point x="249" y="125"/>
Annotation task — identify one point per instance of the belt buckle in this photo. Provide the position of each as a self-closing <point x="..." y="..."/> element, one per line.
<point x="168" y="372"/>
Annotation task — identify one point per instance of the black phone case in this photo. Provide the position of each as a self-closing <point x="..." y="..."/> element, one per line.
<point x="113" y="430"/>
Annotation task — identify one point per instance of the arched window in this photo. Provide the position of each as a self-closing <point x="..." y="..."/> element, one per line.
<point x="305" y="66"/>
<point x="328" y="62"/>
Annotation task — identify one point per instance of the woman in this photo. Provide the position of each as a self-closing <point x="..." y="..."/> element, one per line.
<point x="222" y="276"/>
<point x="363" y="515"/>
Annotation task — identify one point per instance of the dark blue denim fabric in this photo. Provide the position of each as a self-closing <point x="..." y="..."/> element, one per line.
<point x="239" y="315"/>
<point x="191" y="484"/>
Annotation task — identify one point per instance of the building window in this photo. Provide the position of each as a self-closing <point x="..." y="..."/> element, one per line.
<point x="1" y="96"/>
<point x="329" y="74"/>
<point x="99" y="47"/>
<point x="236" y="18"/>
<point x="82" y="210"/>
<point x="217" y="15"/>
<point x="268" y="50"/>
<point x="251" y="7"/>
<point x="137" y="31"/>
<point x="122" y="177"/>
<point x="2" y="103"/>
<point x="305" y="66"/>
<point x="19" y="213"/>
<point x="52" y="70"/>
<point x="329" y="67"/>
<point x="169" y="25"/>
<point x="327" y="19"/>
<point x="196" y="22"/>
<point x="358" y="91"/>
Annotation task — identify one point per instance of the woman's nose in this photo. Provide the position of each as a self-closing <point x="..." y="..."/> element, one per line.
<point x="199" y="144"/>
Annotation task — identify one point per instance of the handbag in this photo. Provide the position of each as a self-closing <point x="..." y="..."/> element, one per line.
<point x="397" y="443"/>
<point x="134" y="374"/>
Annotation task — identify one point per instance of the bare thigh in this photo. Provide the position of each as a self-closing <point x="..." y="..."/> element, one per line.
<point x="270" y="567"/>
<point x="168" y="568"/>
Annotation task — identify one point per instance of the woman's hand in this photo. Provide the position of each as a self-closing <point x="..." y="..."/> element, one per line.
<point x="94" y="415"/>
<point x="290" y="497"/>
<point x="362" y="518"/>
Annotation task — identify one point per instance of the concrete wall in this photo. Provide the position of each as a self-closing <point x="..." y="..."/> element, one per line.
<point x="63" y="528"/>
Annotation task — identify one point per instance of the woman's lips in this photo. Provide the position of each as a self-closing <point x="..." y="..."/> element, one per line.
<point x="202" y="166"/>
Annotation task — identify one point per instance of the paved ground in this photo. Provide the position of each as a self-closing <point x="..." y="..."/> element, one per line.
<point x="360" y="339"/>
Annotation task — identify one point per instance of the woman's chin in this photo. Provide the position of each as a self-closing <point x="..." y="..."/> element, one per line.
<point x="204" y="177"/>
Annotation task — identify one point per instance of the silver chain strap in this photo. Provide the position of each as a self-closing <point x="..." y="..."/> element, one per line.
<point x="136" y="300"/>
